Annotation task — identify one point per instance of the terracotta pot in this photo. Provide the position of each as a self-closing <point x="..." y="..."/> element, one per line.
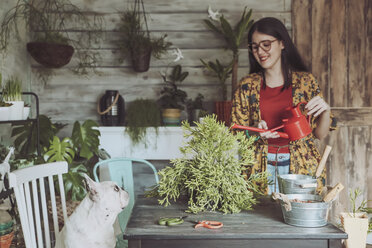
<point x="6" y="240"/>
<point x="356" y="228"/>
<point x="171" y="117"/>
<point x="50" y="55"/>
<point x="223" y="111"/>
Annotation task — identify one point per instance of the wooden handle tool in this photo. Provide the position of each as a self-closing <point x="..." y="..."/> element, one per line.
<point x="322" y="162"/>
<point x="331" y="195"/>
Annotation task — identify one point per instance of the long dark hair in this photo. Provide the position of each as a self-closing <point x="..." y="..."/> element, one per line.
<point x="290" y="59"/>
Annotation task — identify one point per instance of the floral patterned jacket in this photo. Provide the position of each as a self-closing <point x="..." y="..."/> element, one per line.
<point x="304" y="156"/>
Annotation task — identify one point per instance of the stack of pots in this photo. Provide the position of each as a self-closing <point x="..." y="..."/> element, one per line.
<point x="308" y="209"/>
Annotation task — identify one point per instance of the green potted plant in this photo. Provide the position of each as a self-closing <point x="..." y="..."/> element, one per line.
<point x="222" y="72"/>
<point x="135" y="40"/>
<point x="12" y="93"/>
<point x="233" y="36"/>
<point x="4" y="107"/>
<point x="141" y="114"/>
<point x="209" y="171"/>
<point x="194" y="107"/>
<point x="356" y="223"/>
<point x="50" y="43"/>
<point x="172" y="99"/>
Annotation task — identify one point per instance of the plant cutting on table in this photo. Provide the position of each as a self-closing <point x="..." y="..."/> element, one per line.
<point x="209" y="172"/>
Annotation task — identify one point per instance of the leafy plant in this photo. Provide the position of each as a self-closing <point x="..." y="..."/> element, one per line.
<point x="172" y="97"/>
<point x="197" y="103"/>
<point x="48" y="20"/>
<point x="209" y="171"/>
<point x="12" y="90"/>
<point x="80" y="150"/>
<point x="25" y="136"/>
<point x="222" y="72"/>
<point x="362" y="208"/>
<point x="141" y="113"/>
<point x="60" y="150"/>
<point x="134" y="36"/>
<point x="233" y="37"/>
<point x="85" y="139"/>
<point x="354" y="195"/>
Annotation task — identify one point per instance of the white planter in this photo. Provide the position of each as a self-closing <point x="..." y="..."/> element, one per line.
<point x="356" y="229"/>
<point x="26" y="112"/>
<point x="16" y="110"/>
<point x="4" y="113"/>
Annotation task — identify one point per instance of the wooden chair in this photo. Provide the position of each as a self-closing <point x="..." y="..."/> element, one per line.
<point x="34" y="186"/>
<point x="121" y="171"/>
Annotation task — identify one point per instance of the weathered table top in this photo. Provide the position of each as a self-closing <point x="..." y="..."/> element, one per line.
<point x="264" y="222"/>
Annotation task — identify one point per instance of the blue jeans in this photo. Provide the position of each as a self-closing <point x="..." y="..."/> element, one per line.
<point x="283" y="168"/>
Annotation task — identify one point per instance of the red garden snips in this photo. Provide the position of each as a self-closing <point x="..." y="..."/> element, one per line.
<point x="209" y="224"/>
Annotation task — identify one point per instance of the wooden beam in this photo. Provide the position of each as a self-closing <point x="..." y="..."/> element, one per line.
<point x="353" y="117"/>
<point x="338" y="60"/>
<point x="301" y="27"/>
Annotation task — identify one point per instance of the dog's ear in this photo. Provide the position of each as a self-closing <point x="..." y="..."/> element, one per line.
<point x="91" y="187"/>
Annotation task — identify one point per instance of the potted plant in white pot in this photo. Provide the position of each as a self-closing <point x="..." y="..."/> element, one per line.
<point x="4" y="107"/>
<point x="12" y="93"/>
<point x="172" y="99"/>
<point x="356" y="223"/>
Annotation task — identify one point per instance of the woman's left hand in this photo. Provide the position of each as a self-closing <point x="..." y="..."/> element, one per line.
<point x="317" y="106"/>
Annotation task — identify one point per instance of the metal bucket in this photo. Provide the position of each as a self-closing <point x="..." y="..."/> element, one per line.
<point x="313" y="214"/>
<point x="292" y="184"/>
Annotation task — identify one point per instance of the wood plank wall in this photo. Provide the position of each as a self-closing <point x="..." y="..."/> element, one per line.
<point x="335" y="39"/>
<point x="68" y="97"/>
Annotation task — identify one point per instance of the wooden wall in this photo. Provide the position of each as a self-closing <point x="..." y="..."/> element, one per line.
<point x="68" y="97"/>
<point x="335" y="38"/>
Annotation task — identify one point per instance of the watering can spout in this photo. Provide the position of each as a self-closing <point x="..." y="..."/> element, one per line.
<point x="296" y="127"/>
<point x="255" y="129"/>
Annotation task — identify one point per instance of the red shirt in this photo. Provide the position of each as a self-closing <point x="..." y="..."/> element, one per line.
<point x="273" y="103"/>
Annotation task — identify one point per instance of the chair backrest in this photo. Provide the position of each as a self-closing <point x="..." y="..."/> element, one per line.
<point x="121" y="171"/>
<point x="34" y="186"/>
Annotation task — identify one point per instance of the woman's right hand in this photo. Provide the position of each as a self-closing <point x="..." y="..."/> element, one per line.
<point x="267" y="135"/>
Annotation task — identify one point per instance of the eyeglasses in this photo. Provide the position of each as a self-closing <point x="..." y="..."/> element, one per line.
<point x="265" y="45"/>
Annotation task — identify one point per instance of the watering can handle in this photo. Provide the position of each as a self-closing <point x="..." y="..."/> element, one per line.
<point x="307" y="117"/>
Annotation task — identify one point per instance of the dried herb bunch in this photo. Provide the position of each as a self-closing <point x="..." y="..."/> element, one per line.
<point x="55" y="21"/>
<point x="209" y="172"/>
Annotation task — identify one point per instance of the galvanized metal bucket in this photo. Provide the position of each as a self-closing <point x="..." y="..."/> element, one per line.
<point x="296" y="184"/>
<point x="313" y="214"/>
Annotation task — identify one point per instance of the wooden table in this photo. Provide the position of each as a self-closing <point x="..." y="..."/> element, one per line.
<point x="262" y="227"/>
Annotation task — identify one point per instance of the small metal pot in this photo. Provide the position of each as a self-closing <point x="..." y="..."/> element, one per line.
<point x="313" y="214"/>
<point x="297" y="184"/>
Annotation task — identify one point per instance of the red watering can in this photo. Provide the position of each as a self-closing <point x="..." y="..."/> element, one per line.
<point x="295" y="128"/>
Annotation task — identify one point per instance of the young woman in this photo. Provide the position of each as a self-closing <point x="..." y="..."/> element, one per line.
<point x="279" y="79"/>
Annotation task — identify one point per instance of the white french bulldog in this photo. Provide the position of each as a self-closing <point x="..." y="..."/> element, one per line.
<point x="91" y="224"/>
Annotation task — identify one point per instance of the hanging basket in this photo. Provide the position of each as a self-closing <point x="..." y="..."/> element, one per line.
<point x="50" y="55"/>
<point x="141" y="59"/>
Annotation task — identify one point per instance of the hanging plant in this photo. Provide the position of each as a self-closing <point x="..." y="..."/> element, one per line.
<point x="209" y="171"/>
<point x="51" y="44"/>
<point x="135" y="40"/>
<point x="141" y="114"/>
